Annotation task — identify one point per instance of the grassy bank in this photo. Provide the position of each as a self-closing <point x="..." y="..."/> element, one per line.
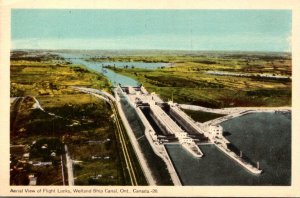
<point x="202" y="116"/>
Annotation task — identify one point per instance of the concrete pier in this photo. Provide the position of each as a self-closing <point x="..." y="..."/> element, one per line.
<point x="240" y="161"/>
<point x="170" y="127"/>
<point x="185" y="120"/>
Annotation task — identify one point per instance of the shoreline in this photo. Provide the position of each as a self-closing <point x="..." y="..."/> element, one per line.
<point x="231" y="110"/>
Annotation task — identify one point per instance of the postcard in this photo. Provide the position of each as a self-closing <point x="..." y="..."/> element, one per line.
<point x="143" y="99"/>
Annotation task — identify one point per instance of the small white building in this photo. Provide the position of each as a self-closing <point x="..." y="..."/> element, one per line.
<point x="215" y="131"/>
<point x="216" y="135"/>
<point x="180" y="135"/>
<point x="42" y="163"/>
<point x="32" y="180"/>
<point x="186" y="140"/>
<point x="26" y="155"/>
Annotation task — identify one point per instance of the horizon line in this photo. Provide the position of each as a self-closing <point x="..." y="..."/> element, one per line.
<point x="183" y="50"/>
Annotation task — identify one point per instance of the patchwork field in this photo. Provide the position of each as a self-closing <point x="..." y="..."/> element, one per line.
<point x="47" y="114"/>
<point x="215" y="79"/>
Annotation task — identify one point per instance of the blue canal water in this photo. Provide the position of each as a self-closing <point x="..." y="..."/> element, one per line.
<point x="263" y="137"/>
<point x="111" y="75"/>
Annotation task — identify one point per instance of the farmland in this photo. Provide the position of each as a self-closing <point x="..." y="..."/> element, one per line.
<point x="47" y="113"/>
<point x="249" y="79"/>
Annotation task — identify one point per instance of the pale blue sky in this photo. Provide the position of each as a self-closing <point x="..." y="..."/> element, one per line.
<point x="245" y="30"/>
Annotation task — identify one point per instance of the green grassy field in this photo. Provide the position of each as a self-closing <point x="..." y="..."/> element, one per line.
<point x="202" y="116"/>
<point x="187" y="80"/>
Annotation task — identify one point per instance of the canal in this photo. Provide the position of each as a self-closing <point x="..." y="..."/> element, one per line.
<point x="97" y="67"/>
